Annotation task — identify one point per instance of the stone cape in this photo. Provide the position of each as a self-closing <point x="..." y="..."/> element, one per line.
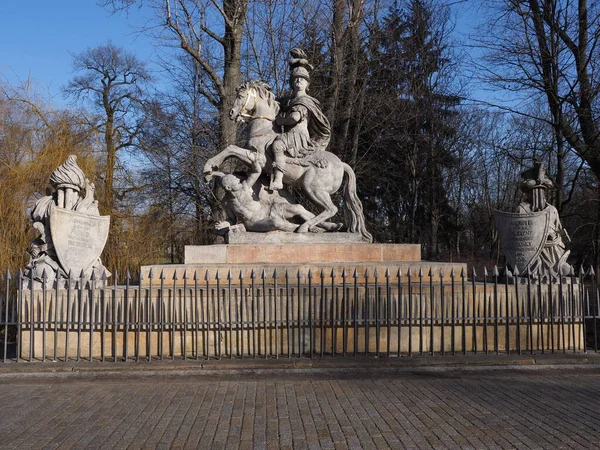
<point x="522" y="236"/>
<point x="78" y="238"/>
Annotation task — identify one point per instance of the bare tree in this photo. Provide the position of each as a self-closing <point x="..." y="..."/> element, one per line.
<point x="344" y="99"/>
<point x="211" y="33"/>
<point x="176" y="141"/>
<point x="551" y="48"/>
<point x="34" y="139"/>
<point x="272" y="29"/>
<point x="112" y="81"/>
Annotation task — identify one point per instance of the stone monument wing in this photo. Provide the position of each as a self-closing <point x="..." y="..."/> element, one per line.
<point x="522" y="236"/>
<point x="532" y="237"/>
<point x="71" y="232"/>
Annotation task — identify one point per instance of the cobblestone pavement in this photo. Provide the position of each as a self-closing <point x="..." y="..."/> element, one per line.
<point x="480" y="409"/>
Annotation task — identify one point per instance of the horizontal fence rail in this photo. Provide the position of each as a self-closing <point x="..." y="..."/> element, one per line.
<point x="305" y="313"/>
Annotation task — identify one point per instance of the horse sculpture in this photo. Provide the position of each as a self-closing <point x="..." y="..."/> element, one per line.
<point x="319" y="175"/>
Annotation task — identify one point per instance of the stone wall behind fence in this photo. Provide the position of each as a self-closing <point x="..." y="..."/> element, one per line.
<point x="206" y="322"/>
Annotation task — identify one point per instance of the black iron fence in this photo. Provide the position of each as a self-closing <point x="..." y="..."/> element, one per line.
<point x="283" y="314"/>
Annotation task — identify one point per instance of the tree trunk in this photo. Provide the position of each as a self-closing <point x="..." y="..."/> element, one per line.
<point x="349" y="103"/>
<point x="235" y="10"/>
<point x="337" y="59"/>
<point x="108" y="198"/>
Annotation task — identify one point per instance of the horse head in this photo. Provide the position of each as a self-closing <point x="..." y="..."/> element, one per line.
<point x="254" y="100"/>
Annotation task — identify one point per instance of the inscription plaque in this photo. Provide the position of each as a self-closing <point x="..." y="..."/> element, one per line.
<point x="78" y="238"/>
<point x="522" y="236"/>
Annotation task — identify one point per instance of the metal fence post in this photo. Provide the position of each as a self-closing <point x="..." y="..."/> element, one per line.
<point x="6" y="302"/>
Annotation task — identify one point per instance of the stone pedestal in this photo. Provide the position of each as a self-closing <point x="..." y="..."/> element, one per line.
<point x="302" y="253"/>
<point x="298" y="259"/>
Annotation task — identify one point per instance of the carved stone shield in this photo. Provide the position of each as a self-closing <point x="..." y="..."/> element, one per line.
<point x="78" y="238"/>
<point x="522" y="236"/>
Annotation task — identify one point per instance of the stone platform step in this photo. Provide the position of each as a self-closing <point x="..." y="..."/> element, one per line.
<point x="169" y="271"/>
<point x="362" y="260"/>
<point x="289" y="254"/>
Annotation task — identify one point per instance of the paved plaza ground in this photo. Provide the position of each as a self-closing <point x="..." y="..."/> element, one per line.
<point x="295" y="409"/>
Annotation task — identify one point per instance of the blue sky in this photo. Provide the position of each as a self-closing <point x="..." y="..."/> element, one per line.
<point x="38" y="37"/>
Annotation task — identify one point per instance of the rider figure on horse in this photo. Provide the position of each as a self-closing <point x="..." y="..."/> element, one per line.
<point x="305" y="127"/>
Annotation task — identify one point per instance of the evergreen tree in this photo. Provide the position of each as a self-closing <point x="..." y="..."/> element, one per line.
<point x="410" y="128"/>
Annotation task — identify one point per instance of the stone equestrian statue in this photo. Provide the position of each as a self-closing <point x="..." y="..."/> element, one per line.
<point x="289" y="145"/>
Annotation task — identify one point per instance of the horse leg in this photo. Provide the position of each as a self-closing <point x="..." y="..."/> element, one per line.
<point x="323" y="200"/>
<point x="213" y="164"/>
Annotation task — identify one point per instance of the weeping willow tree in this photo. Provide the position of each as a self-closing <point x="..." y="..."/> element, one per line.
<point x="34" y="140"/>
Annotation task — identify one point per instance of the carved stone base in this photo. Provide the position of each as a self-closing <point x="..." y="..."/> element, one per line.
<point x="282" y="237"/>
<point x="302" y="253"/>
